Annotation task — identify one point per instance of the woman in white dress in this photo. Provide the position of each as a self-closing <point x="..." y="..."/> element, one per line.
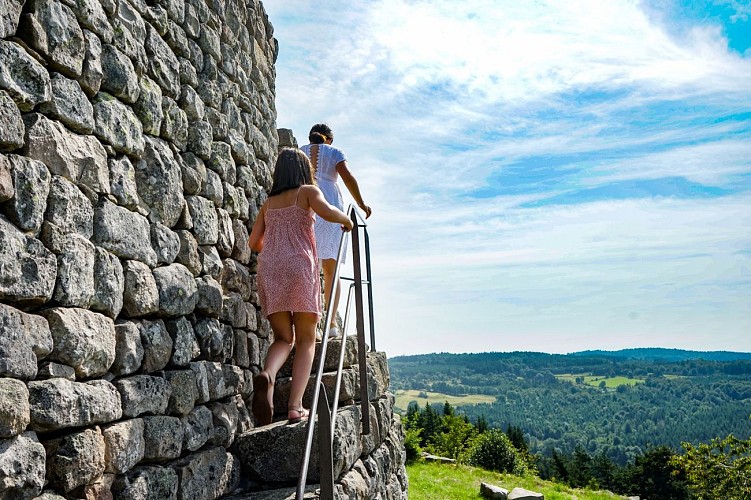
<point x="329" y="164"/>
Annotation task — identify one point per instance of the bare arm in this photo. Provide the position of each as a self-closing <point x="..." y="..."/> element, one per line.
<point x="352" y="186"/>
<point x="326" y="211"/>
<point x="255" y="241"/>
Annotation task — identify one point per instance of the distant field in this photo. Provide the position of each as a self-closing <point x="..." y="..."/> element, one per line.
<point x="404" y="397"/>
<point x="594" y="381"/>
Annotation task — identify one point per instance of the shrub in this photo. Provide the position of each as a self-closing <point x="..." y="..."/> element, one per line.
<point x="412" y="445"/>
<point x="493" y="450"/>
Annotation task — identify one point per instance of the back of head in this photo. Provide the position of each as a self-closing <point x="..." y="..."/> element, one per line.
<point x="291" y="171"/>
<point x="319" y="133"/>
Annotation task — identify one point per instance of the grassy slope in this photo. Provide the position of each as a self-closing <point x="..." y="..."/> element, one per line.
<point x="435" y="480"/>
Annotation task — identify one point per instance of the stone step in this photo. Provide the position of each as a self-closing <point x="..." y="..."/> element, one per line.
<point x="332" y="356"/>
<point x="311" y="492"/>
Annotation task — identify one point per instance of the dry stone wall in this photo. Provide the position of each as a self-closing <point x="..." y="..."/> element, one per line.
<point x="136" y="144"/>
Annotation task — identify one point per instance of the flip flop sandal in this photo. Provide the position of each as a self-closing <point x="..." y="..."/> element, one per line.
<point x="296" y="416"/>
<point x="263" y="394"/>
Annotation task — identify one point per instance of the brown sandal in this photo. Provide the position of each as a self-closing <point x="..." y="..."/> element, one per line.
<point x="298" y="415"/>
<point x="263" y="398"/>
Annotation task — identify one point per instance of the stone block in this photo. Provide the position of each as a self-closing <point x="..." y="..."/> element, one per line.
<point x="128" y="348"/>
<point x="143" y="394"/>
<point x="492" y="491"/>
<point x="184" y="391"/>
<point x="75" y="460"/>
<point x="163" y="437"/>
<point x="198" y="426"/>
<point x="75" y="272"/>
<point x="188" y="254"/>
<point x="148" y="108"/>
<point x="7" y="190"/>
<point x="91" y="73"/>
<point x="193" y="173"/>
<point x="69" y="209"/>
<point x="10" y="14"/>
<point x="109" y="283"/>
<point x="157" y="345"/>
<point x="226" y="418"/>
<point x="205" y="220"/>
<point x="27" y="269"/>
<point x="11" y="124"/>
<point x="123" y="182"/>
<point x="123" y="445"/>
<point x="185" y="345"/>
<point x="140" y="293"/>
<point x="175" y="124"/>
<point x="211" y="473"/>
<point x="210" y="299"/>
<point x="210" y="336"/>
<point x="522" y="494"/>
<point x="146" y="483"/>
<point x="178" y="293"/>
<point x="236" y="278"/>
<point x="58" y="403"/>
<point x="122" y="232"/>
<point x="211" y="262"/>
<point x="117" y="124"/>
<point x="14" y="407"/>
<point x="26" y="81"/>
<point x="159" y="182"/>
<point x="166" y="243"/>
<point x="53" y="31"/>
<point x="91" y="15"/>
<point x="119" y="77"/>
<point x="22" y="466"/>
<point x="226" y="236"/>
<point x="163" y="68"/>
<point x="131" y="28"/>
<point x="70" y="105"/>
<point x="48" y="370"/>
<point x="79" y="158"/>
<point x="17" y="357"/>
<point x="83" y="339"/>
<point x="233" y="310"/>
<point x="240" y="250"/>
<point x="31" y="181"/>
<point x="200" y="137"/>
<point x="222" y="162"/>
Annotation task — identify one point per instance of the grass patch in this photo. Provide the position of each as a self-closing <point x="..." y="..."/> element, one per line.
<point x="595" y="380"/>
<point x="403" y="399"/>
<point x="428" y="480"/>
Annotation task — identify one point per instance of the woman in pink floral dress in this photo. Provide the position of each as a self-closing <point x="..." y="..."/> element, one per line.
<point x="288" y="282"/>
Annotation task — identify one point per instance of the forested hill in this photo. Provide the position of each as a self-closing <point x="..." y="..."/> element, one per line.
<point x="662" y="354"/>
<point x="618" y="405"/>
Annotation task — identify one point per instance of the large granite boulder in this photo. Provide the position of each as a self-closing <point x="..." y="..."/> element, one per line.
<point x="109" y="283"/>
<point x="119" y="77"/>
<point x="58" y="403"/>
<point x="69" y="209"/>
<point x="27" y="269"/>
<point x="140" y="295"/>
<point x="157" y="345"/>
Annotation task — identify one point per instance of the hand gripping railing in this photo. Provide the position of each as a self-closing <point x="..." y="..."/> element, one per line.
<point x="320" y="405"/>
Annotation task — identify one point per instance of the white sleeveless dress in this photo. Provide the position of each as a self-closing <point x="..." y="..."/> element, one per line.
<point x="328" y="234"/>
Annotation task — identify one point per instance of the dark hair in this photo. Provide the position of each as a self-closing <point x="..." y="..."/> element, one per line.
<point x="319" y="133"/>
<point x="291" y="171"/>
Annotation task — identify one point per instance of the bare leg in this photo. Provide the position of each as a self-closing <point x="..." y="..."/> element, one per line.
<point x="329" y="268"/>
<point x="284" y="338"/>
<point x="305" y="342"/>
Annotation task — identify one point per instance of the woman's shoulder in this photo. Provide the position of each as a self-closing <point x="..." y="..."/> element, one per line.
<point x="335" y="153"/>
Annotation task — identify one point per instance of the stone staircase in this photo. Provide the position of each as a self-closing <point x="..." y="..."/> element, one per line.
<point x="365" y="466"/>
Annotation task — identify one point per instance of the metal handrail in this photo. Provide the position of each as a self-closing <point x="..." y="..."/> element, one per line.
<point x="319" y="404"/>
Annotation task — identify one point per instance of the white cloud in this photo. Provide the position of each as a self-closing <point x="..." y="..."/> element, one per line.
<point x="431" y="100"/>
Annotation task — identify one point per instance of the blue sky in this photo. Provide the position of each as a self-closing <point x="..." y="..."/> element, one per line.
<point x="545" y="176"/>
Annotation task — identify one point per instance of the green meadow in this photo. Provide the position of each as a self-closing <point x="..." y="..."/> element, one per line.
<point x="403" y="399"/>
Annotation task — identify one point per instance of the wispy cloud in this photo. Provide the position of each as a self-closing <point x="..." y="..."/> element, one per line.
<point x="537" y="167"/>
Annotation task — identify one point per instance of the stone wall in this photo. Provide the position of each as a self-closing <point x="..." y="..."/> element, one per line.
<point x="136" y="144"/>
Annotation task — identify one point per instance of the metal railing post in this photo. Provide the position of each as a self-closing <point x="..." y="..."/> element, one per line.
<point x="369" y="277"/>
<point x="361" y="347"/>
<point x="325" y="451"/>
